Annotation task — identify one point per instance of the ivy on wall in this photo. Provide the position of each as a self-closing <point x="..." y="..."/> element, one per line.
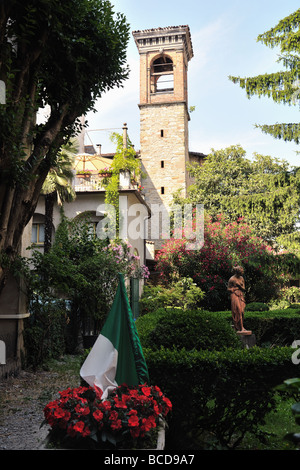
<point x="124" y="160"/>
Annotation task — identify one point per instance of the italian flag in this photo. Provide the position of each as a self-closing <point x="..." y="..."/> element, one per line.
<point x="117" y="355"/>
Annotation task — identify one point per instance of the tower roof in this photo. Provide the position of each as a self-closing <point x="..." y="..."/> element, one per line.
<point x="170" y="37"/>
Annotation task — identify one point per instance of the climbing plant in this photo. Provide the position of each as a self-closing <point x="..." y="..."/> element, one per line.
<point x="124" y="160"/>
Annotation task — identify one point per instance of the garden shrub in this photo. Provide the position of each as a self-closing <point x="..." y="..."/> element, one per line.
<point x="183" y="294"/>
<point x="189" y="329"/>
<point x="272" y="328"/>
<point x="257" y="307"/>
<point x="223" y="394"/>
<point x="44" y="331"/>
<point x="226" y="245"/>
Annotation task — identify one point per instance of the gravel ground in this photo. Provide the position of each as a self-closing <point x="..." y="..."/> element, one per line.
<point x="22" y="400"/>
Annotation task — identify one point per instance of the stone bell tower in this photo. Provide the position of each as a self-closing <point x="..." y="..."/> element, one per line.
<point x="164" y="56"/>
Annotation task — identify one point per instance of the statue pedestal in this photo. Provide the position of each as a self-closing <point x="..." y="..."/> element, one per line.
<point x="248" y="339"/>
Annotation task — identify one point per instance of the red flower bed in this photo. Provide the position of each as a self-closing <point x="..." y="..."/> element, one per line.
<point x="127" y="415"/>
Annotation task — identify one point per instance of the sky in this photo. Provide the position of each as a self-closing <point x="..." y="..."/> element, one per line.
<point x="224" y="38"/>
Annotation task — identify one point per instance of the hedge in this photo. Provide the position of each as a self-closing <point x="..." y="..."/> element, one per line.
<point x="189" y="329"/>
<point x="218" y="393"/>
<point x="271" y="328"/>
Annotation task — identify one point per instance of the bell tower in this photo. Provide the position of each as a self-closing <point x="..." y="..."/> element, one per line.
<point x="164" y="56"/>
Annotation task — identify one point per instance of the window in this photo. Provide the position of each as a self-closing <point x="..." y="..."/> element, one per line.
<point x="162" y="164"/>
<point x="162" y="133"/>
<point x="92" y="229"/>
<point x="162" y="78"/>
<point x="38" y="233"/>
<point x="162" y="190"/>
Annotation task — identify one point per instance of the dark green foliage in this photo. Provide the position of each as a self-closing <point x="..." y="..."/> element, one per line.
<point x="281" y="87"/>
<point x="191" y="329"/>
<point x="257" y="307"/>
<point x="219" y="390"/>
<point x="272" y="328"/>
<point x="44" y="331"/>
<point x="83" y="269"/>
<point x="60" y="54"/>
<point x="291" y="387"/>
<point x="264" y="191"/>
<point x="220" y="394"/>
<point x="184" y="294"/>
<point x="78" y="267"/>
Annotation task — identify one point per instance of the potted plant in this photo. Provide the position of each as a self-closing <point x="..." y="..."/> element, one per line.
<point x="129" y="418"/>
<point x="105" y="172"/>
<point x="83" y="173"/>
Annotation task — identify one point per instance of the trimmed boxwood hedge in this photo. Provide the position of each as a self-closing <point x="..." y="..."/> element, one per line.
<point x="189" y="329"/>
<point x="217" y="389"/>
<point x="218" y="393"/>
<point x="271" y="328"/>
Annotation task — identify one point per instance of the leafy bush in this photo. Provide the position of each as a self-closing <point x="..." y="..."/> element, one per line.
<point x="226" y="245"/>
<point x="190" y="329"/>
<point x="183" y="293"/>
<point x="84" y="269"/>
<point x="44" y="331"/>
<point x="272" y="328"/>
<point x="218" y="393"/>
<point x="257" y="307"/>
<point x="291" y="387"/>
<point x="291" y="294"/>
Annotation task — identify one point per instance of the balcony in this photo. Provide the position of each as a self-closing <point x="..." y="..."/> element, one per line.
<point x="93" y="181"/>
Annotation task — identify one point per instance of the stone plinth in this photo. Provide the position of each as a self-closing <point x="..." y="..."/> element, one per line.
<point x="248" y="339"/>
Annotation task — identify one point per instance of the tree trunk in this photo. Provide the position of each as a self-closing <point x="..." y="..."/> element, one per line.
<point x="49" y="206"/>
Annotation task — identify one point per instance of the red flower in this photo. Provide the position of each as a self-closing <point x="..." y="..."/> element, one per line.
<point x="59" y="413"/>
<point x="86" y="432"/>
<point x="82" y="410"/>
<point x="79" y="426"/>
<point x="168" y="403"/>
<point x="113" y="415"/>
<point x="146" y="391"/>
<point x="120" y="404"/>
<point x="133" y="421"/>
<point x="99" y="392"/>
<point x="117" y="424"/>
<point x="106" y="405"/>
<point x="98" y="415"/>
<point x="148" y="423"/>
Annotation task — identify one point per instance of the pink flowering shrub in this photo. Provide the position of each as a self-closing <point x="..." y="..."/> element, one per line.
<point x="225" y="245"/>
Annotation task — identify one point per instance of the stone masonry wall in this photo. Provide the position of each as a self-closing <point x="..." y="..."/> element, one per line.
<point x="164" y="150"/>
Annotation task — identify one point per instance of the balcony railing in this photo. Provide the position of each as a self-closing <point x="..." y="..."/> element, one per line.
<point x="94" y="182"/>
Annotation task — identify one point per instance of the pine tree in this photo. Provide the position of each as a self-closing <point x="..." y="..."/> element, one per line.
<point x="284" y="86"/>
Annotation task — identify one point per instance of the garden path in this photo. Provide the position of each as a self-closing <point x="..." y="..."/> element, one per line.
<point x="22" y="400"/>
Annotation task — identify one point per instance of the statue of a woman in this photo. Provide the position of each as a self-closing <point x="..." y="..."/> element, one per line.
<point x="236" y="288"/>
